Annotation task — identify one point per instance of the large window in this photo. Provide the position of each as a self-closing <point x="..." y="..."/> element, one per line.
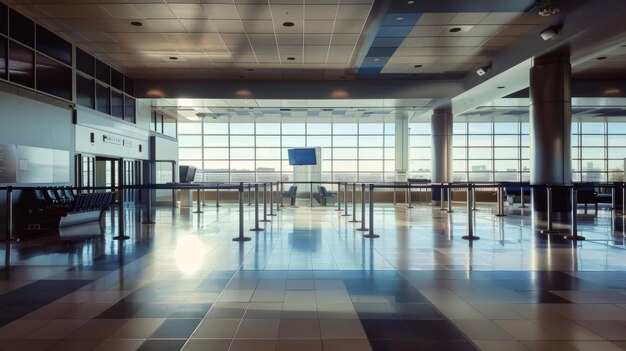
<point x="247" y="150"/>
<point x="598" y="149"/>
<point x="488" y="151"/>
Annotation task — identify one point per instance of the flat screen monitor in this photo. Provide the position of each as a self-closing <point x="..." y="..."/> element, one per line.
<point x="302" y="157"/>
<point x="187" y="174"/>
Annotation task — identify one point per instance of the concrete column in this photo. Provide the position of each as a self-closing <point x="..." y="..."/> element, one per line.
<point x="441" y="124"/>
<point x="550" y="130"/>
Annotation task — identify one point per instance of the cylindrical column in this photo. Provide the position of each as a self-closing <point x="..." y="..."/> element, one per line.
<point x="550" y="132"/>
<point x="470" y="215"/>
<point x="241" y="195"/>
<point x="371" y="232"/>
<point x="441" y="150"/>
<point x="198" y="210"/>
<point x="9" y="227"/>
<point x="363" y="228"/>
<point x="345" y="199"/>
<point x="265" y="204"/>
<point x="256" y="210"/>
<point x="354" y="220"/>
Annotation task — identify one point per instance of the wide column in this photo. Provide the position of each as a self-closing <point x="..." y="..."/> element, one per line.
<point x="441" y="131"/>
<point x="550" y="133"/>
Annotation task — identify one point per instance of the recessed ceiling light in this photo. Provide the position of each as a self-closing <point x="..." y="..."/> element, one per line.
<point x="376" y="59"/>
<point x="173" y="58"/>
<point x="399" y="18"/>
<point x="418" y="66"/>
<point x="249" y="69"/>
<point x="288" y="24"/>
<point x="342" y="77"/>
<point x="291" y="58"/>
<point x="454" y="30"/>
<point x="410" y="2"/>
<point x="136" y="24"/>
<point x="501" y="87"/>
<point x="601" y="58"/>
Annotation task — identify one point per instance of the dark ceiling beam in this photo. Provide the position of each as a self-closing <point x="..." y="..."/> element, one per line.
<point x="353" y="89"/>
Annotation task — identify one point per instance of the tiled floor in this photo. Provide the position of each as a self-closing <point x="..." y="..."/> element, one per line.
<point x="311" y="282"/>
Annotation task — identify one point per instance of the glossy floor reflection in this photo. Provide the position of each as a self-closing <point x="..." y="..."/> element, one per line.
<point x="311" y="282"/>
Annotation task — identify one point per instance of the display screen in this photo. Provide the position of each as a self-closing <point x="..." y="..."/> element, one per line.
<point x="187" y="174"/>
<point x="301" y="157"/>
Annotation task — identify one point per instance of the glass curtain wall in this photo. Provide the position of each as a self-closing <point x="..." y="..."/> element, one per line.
<point x="247" y="150"/>
<point x="598" y="149"/>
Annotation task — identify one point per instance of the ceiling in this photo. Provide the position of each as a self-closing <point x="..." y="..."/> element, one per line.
<point x="348" y="50"/>
<point x="329" y="39"/>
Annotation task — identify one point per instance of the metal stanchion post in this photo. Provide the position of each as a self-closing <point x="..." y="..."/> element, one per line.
<point x="623" y="199"/>
<point x="574" y="196"/>
<point x="613" y="202"/>
<point x="410" y="196"/>
<point x="449" y="210"/>
<point x="149" y="208"/>
<point x="311" y="194"/>
<point x="272" y="214"/>
<point x="354" y="220"/>
<point x="121" y="172"/>
<point x="338" y="197"/>
<point x="241" y="237"/>
<point x="394" y="196"/>
<point x="362" y="229"/>
<point x="523" y="205"/>
<point x="442" y="194"/>
<point x="280" y="194"/>
<point x="549" y="229"/>
<point x="249" y="197"/>
<point x="265" y="204"/>
<point x="500" y="202"/>
<point x="371" y="232"/>
<point x="198" y="202"/>
<point x="217" y="196"/>
<point x="345" y="199"/>
<point x="282" y="189"/>
<point x="9" y="227"/>
<point x="470" y="215"/>
<point x="256" y="210"/>
<point x="473" y="198"/>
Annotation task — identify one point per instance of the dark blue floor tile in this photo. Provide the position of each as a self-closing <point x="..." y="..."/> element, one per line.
<point x="395" y="345"/>
<point x="434" y="330"/>
<point x="175" y="329"/>
<point x="191" y="310"/>
<point x="162" y="345"/>
<point x="386" y="329"/>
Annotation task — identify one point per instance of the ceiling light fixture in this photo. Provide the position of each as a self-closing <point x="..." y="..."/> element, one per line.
<point x="399" y="18"/>
<point x="291" y="58"/>
<point x="249" y="69"/>
<point x="288" y="24"/>
<point x="418" y="66"/>
<point x="173" y="58"/>
<point x="454" y="30"/>
<point x="376" y="59"/>
<point x="136" y="24"/>
<point x="501" y="87"/>
<point x="410" y="2"/>
<point x="551" y="32"/>
<point x="483" y="70"/>
<point x="601" y="58"/>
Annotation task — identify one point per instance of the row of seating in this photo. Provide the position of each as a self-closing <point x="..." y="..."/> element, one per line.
<point x="323" y="195"/>
<point x="46" y="208"/>
<point x="291" y="194"/>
